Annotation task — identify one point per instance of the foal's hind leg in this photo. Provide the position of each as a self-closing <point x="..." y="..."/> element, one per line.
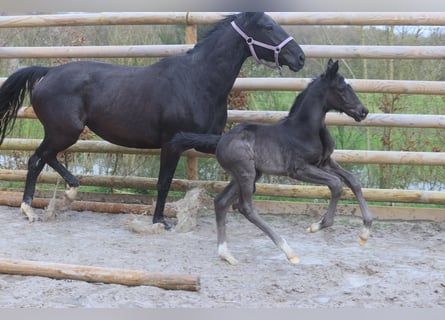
<point x="246" y="181"/>
<point x="352" y="182"/>
<point x="222" y="203"/>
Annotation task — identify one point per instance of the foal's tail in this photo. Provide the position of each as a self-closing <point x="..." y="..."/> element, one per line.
<point x="203" y="142"/>
<point x="12" y="94"/>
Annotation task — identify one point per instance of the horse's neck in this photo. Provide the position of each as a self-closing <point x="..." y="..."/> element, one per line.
<point x="221" y="57"/>
<point x="310" y="111"/>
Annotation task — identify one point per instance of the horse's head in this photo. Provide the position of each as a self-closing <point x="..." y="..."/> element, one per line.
<point x="340" y="95"/>
<point x="267" y="40"/>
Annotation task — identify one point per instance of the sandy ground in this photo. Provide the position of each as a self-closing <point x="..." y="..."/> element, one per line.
<point x="403" y="263"/>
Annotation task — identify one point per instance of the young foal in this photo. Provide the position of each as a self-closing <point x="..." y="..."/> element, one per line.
<point x="299" y="146"/>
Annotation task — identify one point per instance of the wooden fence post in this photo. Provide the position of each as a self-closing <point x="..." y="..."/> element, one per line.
<point x="192" y="162"/>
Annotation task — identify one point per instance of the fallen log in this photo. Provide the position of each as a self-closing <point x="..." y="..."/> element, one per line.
<point x="99" y="274"/>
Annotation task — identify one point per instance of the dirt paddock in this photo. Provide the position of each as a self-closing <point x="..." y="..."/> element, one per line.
<point x="403" y="263"/>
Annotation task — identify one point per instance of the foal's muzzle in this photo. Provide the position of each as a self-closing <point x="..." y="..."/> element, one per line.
<point x="361" y="114"/>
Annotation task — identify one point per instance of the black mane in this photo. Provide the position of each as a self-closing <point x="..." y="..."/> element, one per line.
<point x="219" y="26"/>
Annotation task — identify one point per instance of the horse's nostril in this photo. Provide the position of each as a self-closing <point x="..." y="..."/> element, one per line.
<point x="301" y="58"/>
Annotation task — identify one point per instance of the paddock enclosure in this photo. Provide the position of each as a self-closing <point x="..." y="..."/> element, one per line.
<point x="386" y="203"/>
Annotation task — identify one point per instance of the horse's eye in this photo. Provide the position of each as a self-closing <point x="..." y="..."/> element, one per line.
<point x="268" y="27"/>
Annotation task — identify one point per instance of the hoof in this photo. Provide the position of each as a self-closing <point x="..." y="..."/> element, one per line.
<point x="225" y="254"/>
<point x="70" y="194"/>
<point x="314" y="227"/>
<point x="230" y="259"/>
<point x="294" y="260"/>
<point x="363" y="236"/>
<point x="29" y="212"/>
<point x="167" y="225"/>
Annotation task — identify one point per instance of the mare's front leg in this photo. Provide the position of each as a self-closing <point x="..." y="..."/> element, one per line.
<point x="353" y="183"/>
<point x="313" y="174"/>
<point x="169" y="162"/>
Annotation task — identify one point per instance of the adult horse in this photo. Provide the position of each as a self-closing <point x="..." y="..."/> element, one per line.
<point x="142" y="107"/>
<point x="299" y="146"/>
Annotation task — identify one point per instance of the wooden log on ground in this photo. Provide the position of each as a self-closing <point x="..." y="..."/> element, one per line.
<point x="99" y="274"/>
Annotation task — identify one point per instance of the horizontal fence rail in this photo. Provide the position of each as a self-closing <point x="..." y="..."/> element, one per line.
<point x="262" y="189"/>
<point x="359" y="85"/>
<point x="154" y="51"/>
<point x="332" y="118"/>
<point x="284" y="18"/>
<point x="349" y="156"/>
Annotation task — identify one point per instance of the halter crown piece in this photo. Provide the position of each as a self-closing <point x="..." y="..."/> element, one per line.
<point x="251" y="42"/>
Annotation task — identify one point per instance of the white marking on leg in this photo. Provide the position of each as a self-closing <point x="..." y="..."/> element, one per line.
<point x="225" y="254"/>
<point x="29" y="212"/>
<point x="291" y="256"/>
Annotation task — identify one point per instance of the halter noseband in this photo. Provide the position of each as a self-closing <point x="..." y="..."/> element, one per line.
<point x="251" y="42"/>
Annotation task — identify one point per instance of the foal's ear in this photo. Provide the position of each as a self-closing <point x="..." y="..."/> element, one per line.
<point x="254" y="15"/>
<point x="331" y="69"/>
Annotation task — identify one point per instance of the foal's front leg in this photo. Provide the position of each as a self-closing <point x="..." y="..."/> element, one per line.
<point x="313" y="174"/>
<point x="352" y="182"/>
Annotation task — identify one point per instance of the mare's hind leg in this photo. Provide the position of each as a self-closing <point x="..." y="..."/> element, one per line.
<point x="35" y="166"/>
<point x="46" y="153"/>
<point x="352" y="182"/>
<point x="246" y="180"/>
<point x="316" y="175"/>
<point x="72" y="181"/>
<point x="222" y="203"/>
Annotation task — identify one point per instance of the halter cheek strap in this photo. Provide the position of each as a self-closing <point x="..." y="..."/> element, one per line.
<point x="251" y="42"/>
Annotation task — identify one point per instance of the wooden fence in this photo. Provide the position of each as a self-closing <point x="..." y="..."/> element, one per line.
<point x="190" y="20"/>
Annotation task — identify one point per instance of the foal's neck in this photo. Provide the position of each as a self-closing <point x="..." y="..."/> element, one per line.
<point x="310" y="107"/>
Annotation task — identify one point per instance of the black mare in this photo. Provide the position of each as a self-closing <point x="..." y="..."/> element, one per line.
<point x="142" y="107"/>
<point x="299" y="146"/>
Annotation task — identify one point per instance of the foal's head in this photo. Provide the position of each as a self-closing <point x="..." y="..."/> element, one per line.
<point x="340" y="96"/>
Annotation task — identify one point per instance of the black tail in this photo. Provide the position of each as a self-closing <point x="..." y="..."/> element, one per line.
<point x="203" y="142"/>
<point x="12" y="94"/>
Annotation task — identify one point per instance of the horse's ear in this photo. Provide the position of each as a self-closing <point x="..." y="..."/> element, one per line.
<point x="331" y="69"/>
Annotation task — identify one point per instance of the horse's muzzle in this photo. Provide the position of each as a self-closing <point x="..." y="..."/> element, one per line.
<point x="362" y="113"/>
